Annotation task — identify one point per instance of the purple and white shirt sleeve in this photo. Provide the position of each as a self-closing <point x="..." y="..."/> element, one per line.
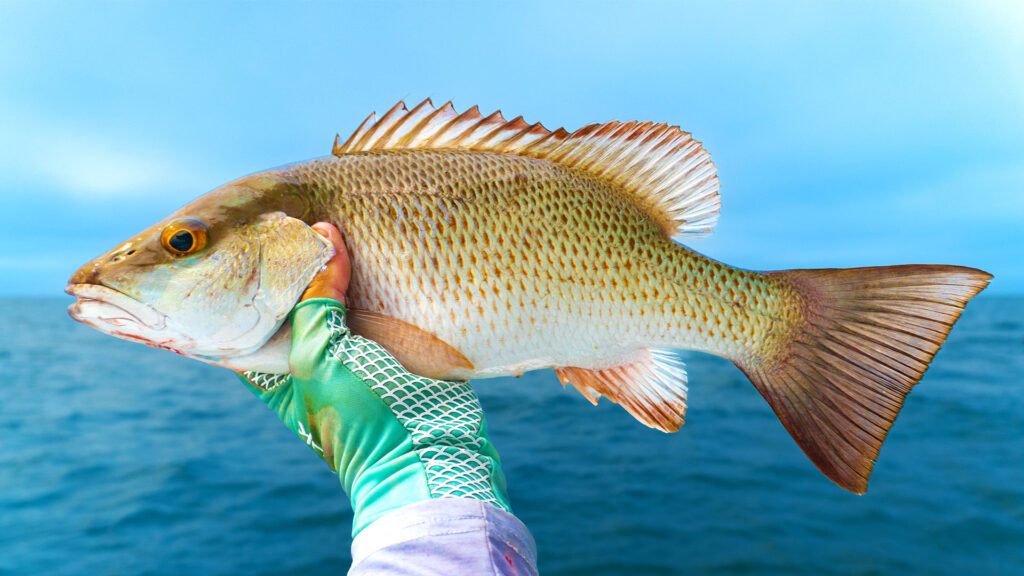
<point x="445" y="536"/>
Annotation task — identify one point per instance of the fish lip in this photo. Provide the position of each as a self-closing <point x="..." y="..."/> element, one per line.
<point x="141" y="313"/>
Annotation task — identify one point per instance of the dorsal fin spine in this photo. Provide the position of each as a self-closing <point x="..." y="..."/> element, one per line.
<point x="394" y="134"/>
<point x="482" y="131"/>
<point x="453" y="138"/>
<point x="380" y="126"/>
<point x="355" y="135"/>
<point x="492" y="137"/>
<point x="415" y="132"/>
<point x="665" y="168"/>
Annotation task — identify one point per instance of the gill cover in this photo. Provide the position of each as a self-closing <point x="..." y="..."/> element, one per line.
<point x="231" y="301"/>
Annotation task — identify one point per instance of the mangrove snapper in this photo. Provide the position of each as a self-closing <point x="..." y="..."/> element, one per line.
<point x="482" y="247"/>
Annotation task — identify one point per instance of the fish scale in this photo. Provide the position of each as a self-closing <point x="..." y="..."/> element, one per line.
<point x="517" y="261"/>
<point x="483" y="247"/>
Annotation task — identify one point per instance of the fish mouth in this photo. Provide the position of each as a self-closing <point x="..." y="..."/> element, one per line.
<point x="115" y="313"/>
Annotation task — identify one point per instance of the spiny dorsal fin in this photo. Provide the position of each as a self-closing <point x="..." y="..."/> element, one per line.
<point x="664" y="166"/>
<point x="652" y="387"/>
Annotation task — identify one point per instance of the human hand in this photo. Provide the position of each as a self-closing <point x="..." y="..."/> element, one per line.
<point x="393" y="437"/>
<point x="332" y="281"/>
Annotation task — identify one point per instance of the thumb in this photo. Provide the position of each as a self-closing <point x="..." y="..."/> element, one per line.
<point x="332" y="281"/>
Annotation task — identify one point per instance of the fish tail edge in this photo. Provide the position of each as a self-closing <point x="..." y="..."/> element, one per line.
<point x="839" y="377"/>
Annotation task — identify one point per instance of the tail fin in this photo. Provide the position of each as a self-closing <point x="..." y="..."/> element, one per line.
<point x="867" y="337"/>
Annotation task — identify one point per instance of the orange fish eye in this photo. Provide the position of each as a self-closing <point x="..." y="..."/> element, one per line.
<point x="183" y="236"/>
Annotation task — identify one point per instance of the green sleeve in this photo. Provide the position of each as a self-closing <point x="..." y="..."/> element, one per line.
<point x="394" y="438"/>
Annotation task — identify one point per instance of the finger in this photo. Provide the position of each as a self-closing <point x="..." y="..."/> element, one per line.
<point x="332" y="281"/>
<point x="340" y="262"/>
<point x="329" y="231"/>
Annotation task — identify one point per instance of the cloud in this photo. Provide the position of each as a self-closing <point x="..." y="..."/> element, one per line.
<point x="95" y="168"/>
<point x="79" y="162"/>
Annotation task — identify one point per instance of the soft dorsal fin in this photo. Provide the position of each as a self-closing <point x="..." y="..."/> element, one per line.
<point x="665" y="167"/>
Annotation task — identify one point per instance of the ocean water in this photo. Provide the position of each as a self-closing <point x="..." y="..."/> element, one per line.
<point x="119" y="459"/>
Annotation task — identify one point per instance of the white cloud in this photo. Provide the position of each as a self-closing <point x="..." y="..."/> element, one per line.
<point x="100" y="169"/>
<point x="78" y="162"/>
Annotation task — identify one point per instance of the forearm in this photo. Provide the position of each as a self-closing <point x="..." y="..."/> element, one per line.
<point x="393" y="437"/>
<point x="412" y="453"/>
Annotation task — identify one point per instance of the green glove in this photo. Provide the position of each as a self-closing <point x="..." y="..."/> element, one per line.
<point x="393" y="437"/>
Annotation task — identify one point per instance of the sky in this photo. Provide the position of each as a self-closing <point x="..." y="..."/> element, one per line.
<point x="845" y="134"/>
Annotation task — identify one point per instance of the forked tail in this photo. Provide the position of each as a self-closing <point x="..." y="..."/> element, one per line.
<point x="839" y="378"/>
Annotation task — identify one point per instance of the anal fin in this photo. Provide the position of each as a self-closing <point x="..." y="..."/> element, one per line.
<point x="419" y="351"/>
<point x="652" y="387"/>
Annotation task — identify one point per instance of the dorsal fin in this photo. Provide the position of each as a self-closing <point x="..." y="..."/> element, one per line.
<point x="665" y="167"/>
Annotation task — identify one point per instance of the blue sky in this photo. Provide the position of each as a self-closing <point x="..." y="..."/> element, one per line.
<point x="845" y="134"/>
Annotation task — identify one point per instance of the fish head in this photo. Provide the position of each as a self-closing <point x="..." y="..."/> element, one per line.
<point x="213" y="281"/>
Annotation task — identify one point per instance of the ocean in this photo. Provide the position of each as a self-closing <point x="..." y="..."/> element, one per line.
<point x="119" y="459"/>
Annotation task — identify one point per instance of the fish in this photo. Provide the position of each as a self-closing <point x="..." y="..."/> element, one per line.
<point x="484" y="247"/>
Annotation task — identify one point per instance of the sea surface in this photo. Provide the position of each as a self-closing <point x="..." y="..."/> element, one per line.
<point x="119" y="459"/>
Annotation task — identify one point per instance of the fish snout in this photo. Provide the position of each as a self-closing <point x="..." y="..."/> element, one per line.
<point x="90" y="273"/>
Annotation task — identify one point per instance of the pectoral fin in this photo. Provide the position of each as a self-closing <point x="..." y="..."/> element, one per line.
<point x="418" y="350"/>
<point x="652" y="387"/>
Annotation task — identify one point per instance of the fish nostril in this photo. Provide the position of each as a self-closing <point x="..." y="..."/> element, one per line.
<point x="121" y="256"/>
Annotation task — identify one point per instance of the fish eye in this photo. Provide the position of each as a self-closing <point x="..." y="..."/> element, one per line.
<point x="183" y="236"/>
